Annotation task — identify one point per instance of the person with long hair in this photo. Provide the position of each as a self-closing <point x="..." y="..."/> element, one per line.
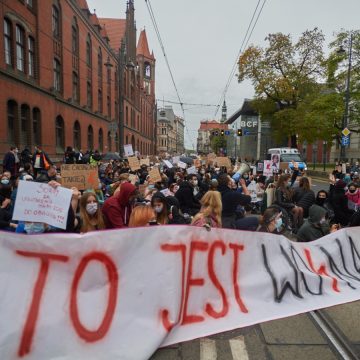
<point x="210" y="212"/>
<point x="304" y="197"/>
<point x="160" y="206"/>
<point x="142" y="215"/>
<point x="283" y="198"/>
<point x="271" y="221"/>
<point x="91" y="218"/>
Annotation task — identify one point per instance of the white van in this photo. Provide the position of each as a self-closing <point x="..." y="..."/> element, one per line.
<point x="287" y="155"/>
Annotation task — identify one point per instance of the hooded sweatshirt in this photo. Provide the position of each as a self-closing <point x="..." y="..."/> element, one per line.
<point x="354" y="197"/>
<point x="117" y="209"/>
<point x="311" y="229"/>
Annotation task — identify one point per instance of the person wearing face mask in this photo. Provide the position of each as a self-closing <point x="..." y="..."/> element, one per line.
<point x="185" y="195"/>
<point x="316" y="226"/>
<point x="160" y="207"/>
<point x="322" y="199"/>
<point x="117" y="209"/>
<point x="91" y="217"/>
<point x="5" y="186"/>
<point x="271" y="221"/>
<point x="173" y="188"/>
<point x="353" y="195"/>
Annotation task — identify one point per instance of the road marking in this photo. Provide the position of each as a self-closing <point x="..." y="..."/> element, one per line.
<point x="208" y="349"/>
<point x="238" y="348"/>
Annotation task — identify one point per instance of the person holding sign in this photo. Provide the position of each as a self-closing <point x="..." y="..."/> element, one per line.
<point x="91" y="218"/>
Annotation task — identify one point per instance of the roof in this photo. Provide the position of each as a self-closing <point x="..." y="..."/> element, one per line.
<point x="143" y="46"/>
<point x="246" y="109"/>
<point x="83" y="4"/>
<point x="115" y="29"/>
<point x="212" y="125"/>
<point x="94" y="19"/>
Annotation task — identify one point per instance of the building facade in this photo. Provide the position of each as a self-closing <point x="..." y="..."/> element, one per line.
<point x="60" y="80"/>
<point x="207" y="127"/>
<point x="170" y="132"/>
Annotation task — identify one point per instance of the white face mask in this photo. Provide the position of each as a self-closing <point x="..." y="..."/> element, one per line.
<point x="158" y="209"/>
<point x="195" y="182"/>
<point x="91" y="208"/>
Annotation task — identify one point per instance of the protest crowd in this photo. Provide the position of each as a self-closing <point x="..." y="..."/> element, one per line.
<point x="204" y="191"/>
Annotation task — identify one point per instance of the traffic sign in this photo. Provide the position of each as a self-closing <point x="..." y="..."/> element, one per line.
<point x="246" y="132"/>
<point x="345" y="140"/>
<point x="227" y="132"/>
<point x="346" y="132"/>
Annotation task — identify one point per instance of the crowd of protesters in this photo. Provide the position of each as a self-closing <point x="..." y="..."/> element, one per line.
<point x="213" y="197"/>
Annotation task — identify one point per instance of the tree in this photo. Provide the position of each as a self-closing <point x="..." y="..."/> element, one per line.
<point x="217" y="142"/>
<point x="286" y="76"/>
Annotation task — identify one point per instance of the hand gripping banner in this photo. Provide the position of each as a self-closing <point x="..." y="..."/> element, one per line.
<point x="122" y="294"/>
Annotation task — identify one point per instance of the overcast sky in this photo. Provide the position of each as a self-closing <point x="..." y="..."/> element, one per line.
<point x="202" y="39"/>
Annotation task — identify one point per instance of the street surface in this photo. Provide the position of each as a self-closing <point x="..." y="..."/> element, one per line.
<point x="296" y="338"/>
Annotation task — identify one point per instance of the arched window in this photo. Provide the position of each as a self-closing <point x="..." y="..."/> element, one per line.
<point x="56" y="22"/>
<point x="31" y="56"/>
<point x="90" y="138"/>
<point x="60" y="134"/>
<point x="88" y="51"/>
<point x="8" y="41"/>
<point x="89" y="94"/>
<point x="12" y="116"/>
<point x="101" y="140"/>
<point x="75" y="38"/>
<point x="100" y="101"/>
<point x="75" y="81"/>
<point x="77" y="135"/>
<point x="109" y="141"/>
<point x="108" y="106"/>
<point x="36" y="128"/>
<point x="25" y="125"/>
<point x="20" y="48"/>
<point x="100" y="66"/>
<point x="57" y="75"/>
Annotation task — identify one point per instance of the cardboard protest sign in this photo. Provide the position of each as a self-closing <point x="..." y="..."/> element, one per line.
<point x="192" y="170"/>
<point x="134" y="163"/>
<point x="268" y="171"/>
<point x="38" y="202"/>
<point x="168" y="164"/>
<point x="98" y="296"/>
<point x="128" y="150"/>
<point x="181" y="165"/>
<point x="155" y="175"/>
<point x="223" y="161"/>
<point x="145" y="162"/>
<point x="81" y="176"/>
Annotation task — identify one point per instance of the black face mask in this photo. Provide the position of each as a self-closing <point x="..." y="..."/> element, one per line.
<point x="352" y="191"/>
<point x="321" y="201"/>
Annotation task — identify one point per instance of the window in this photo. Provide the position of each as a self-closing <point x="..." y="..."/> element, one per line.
<point x="100" y="101"/>
<point x="74" y="40"/>
<point x="60" y="132"/>
<point x="24" y="124"/>
<point x="100" y="65"/>
<point x="109" y="106"/>
<point x="31" y="56"/>
<point x="29" y="3"/>
<point x="57" y="75"/>
<point x="109" y="141"/>
<point x="108" y="79"/>
<point x="12" y="111"/>
<point x="89" y="94"/>
<point x="77" y="135"/>
<point x="20" y="48"/>
<point x="101" y="140"/>
<point x="55" y="22"/>
<point x="90" y="138"/>
<point x="36" y="126"/>
<point x="75" y="82"/>
<point x="88" y="51"/>
<point x="8" y="42"/>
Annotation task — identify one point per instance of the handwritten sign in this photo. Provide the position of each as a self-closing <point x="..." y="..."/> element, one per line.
<point x="223" y="162"/>
<point x="176" y="159"/>
<point x="128" y="150"/>
<point x="268" y="171"/>
<point x="168" y="164"/>
<point x="192" y="170"/>
<point x="181" y="165"/>
<point x="134" y="163"/>
<point x="37" y="202"/>
<point x="155" y="175"/>
<point x="81" y="176"/>
<point x="89" y="291"/>
<point x="145" y="162"/>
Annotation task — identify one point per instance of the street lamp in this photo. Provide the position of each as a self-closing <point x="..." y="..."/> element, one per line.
<point x="345" y="120"/>
<point x="324" y="154"/>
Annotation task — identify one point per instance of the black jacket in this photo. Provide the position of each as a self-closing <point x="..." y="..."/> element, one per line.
<point x="282" y="201"/>
<point x="339" y="203"/>
<point x="188" y="203"/>
<point x="9" y="163"/>
<point x="304" y="199"/>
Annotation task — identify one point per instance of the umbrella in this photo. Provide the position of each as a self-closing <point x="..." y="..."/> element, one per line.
<point x="111" y="156"/>
<point x="187" y="160"/>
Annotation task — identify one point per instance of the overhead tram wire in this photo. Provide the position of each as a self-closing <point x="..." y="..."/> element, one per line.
<point x="247" y="36"/>
<point x="152" y="16"/>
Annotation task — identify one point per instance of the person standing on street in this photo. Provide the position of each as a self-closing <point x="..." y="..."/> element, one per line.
<point x="9" y="162"/>
<point x="41" y="161"/>
<point x="69" y="156"/>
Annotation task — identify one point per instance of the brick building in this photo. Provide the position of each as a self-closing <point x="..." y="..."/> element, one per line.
<point x="207" y="127"/>
<point x="63" y="83"/>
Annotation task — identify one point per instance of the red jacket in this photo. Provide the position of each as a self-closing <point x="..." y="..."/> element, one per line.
<point x="355" y="197"/>
<point x="117" y="209"/>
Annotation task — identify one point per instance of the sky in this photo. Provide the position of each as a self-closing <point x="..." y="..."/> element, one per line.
<point x="202" y="39"/>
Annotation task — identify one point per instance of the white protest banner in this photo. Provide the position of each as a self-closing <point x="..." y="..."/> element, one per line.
<point x="128" y="150"/>
<point x="120" y="294"/>
<point x="268" y="171"/>
<point x="40" y="202"/>
<point x="168" y="164"/>
<point x="192" y="170"/>
<point x="182" y="165"/>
